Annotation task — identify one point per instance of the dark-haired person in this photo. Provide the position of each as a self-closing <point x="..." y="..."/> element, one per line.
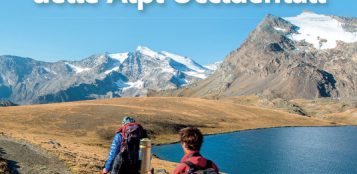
<point x="191" y="141"/>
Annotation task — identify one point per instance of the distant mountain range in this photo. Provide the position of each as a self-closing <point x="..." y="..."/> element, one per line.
<point x="130" y="74"/>
<point x="308" y="56"/>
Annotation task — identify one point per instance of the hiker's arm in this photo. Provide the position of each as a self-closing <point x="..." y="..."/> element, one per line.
<point x="114" y="150"/>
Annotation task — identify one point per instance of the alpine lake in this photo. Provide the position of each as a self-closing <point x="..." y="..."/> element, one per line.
<point x="293" y="150"/>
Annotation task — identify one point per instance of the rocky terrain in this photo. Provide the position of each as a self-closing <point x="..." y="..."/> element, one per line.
<point x="22" y="157"/>
<point x="4" y="103"/>
<point x="130" y="74"/>
<point x="4" y="168"/>
<point x="308" y="56"/>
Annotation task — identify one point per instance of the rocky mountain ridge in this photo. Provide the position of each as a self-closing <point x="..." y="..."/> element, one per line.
<point x="129" y="74"/>
<point x="308" y="56"/>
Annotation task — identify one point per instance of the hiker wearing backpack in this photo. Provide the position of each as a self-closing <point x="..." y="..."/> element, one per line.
<point x="123" y="157"/>
<point x="193" y="162"/>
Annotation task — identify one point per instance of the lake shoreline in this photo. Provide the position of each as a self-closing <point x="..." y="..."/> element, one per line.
<point x="313" y="146"/>
<point x="262" y="128"/>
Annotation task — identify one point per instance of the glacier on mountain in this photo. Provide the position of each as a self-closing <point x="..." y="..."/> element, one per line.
<point x="322" y="31"/>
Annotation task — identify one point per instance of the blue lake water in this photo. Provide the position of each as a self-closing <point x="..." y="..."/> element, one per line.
<point x="278" y="150"/>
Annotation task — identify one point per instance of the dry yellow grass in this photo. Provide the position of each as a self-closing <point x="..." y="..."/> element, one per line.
<point x="321" y="107"/>
<point x="84" y="129"/>
<point x="347" y="117"/>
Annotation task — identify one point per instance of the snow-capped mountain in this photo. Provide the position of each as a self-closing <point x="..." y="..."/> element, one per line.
<point x="307" y="56"/>
<point x="129" y="74"/>
<point x="214" y="66"/>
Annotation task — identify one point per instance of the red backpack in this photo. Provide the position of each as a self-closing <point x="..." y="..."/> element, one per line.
<point x="131" y="135"/>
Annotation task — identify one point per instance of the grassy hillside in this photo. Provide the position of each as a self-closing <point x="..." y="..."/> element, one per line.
<point x="80" y="132"/>
<point x="324" y="108"/>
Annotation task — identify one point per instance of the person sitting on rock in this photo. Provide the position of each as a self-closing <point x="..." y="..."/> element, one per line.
<point x="193" y="162"/>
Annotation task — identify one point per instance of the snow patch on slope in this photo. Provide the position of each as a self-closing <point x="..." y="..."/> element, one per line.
<point x="185" y="61"/>
<point x="280" y="29"/>
<point x="196" y="74"/>
<point x="49" y="71"/>
<point x="111" y="70"/>
<point x="138" y="85"/>
<point x="121" y="57"/>
<point x="214" y="66"/>
<point x="320" y="30"/>
<point x="77" y="69"/>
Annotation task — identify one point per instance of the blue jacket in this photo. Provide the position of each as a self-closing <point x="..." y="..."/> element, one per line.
<point x="114" y="150"/>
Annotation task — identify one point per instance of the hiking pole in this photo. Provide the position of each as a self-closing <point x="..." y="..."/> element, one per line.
<point x="145" y="156"/>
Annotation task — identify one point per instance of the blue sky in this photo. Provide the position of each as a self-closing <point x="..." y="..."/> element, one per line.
<point x="206" y="33"/>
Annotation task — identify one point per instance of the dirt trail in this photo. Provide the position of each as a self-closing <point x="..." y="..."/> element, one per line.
<point x="27" y="159"/>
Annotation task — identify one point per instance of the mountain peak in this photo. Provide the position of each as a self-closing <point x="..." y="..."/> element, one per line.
<point x="278" y="59"/>
<point x="146" y="51"/>
<point x="141" y="47"/>
<point x="308" y="12"/>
